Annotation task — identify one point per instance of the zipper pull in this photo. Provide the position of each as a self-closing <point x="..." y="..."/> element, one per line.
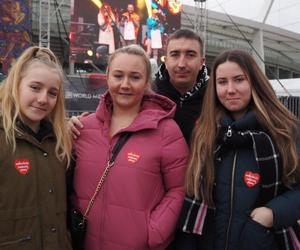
<point x="229" y="132"/>
<point x="180" y="103"/>
<point x="181" y="100"/>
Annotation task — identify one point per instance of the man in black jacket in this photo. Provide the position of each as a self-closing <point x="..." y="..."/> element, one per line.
<point x="183" y="78"/>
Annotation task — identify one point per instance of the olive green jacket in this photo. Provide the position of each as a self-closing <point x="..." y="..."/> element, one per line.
<point x="32" y="195"/>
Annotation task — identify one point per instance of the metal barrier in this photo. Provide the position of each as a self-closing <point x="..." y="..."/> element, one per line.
<point x="292" y="103"/>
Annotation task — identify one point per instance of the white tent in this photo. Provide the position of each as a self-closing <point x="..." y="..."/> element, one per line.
<point x="291" y="85"/>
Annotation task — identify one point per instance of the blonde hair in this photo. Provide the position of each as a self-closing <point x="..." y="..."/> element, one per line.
<point x="10" y="103"/>
<point x="273" y="116"/>
<point x="133" y="50"/>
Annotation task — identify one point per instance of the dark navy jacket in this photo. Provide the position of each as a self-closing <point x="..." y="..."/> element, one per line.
<point x="235" y="197"/>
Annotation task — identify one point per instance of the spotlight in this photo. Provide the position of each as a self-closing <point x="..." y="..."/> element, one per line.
<point x="89" y="52"/>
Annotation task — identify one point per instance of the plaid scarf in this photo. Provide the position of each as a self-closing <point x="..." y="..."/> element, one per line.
<point x="196" y="215"/>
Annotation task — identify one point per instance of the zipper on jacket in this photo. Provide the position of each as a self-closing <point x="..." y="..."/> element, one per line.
<point x="18" y="241"/>
<point x="229" y="132"/>
<point x="231" y="196"/>
<point x="180" y="103"/>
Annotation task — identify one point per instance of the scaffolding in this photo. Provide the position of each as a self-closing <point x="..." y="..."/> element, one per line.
<point x="44" y="23"/>
<point x="200" y="20"/>
<point x="46" y="12"/>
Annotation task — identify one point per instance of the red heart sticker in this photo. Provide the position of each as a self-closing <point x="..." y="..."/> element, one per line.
<point x="251" y="179"/>
<point x="133" y="157"/>
<point x="22" y="166"/>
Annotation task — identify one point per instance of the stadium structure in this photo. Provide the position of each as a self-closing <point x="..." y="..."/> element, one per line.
<point x="276" y="50"/>
<point x="280" y="48"/>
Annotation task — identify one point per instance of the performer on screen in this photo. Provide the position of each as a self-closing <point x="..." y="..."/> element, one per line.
<point x="154" y="34"/>
<point x="130" y="20"/>
<point x="106" y="20"/>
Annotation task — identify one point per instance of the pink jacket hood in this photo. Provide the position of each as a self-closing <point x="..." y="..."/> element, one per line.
<point x="154" y="108"/>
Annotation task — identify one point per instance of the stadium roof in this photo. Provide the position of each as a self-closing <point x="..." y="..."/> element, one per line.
<point x="282" y="14"/>
<point x="229" y="28"/>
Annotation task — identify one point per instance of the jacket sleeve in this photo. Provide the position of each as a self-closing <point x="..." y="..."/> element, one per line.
<point x="286" y="208"/>
<point x="173" y="165"/>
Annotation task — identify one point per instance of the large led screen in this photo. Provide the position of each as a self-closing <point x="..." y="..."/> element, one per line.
<point x="98" y="28"/>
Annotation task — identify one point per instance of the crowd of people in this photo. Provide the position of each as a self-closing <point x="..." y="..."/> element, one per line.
<point x="208" y="162"/>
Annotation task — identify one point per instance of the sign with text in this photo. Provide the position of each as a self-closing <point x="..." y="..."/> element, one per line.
<point x="82" y="93"/>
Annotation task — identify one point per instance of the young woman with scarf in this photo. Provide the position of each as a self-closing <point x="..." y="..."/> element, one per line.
<point x="242" y="181"/>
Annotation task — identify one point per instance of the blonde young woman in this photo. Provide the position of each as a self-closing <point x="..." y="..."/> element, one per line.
<point x="140" y="199"/>
<point x="35" y="151"/>
<point x="243" y="175"/>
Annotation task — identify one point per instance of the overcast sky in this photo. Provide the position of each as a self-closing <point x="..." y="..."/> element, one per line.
<point x="284" y="13"/>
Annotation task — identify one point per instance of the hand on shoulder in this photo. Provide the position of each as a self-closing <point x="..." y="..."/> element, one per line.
<point x="74" y="124"/>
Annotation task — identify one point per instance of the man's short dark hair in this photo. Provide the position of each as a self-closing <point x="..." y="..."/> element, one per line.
<point x="188" y="34"/>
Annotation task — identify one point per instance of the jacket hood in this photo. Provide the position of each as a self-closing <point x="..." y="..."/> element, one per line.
<point x="154" y="108"/>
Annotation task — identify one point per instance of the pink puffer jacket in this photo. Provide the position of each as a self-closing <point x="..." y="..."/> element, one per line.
<point x="141" y="198"/>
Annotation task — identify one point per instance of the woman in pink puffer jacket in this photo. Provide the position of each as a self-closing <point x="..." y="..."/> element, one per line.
<point x="140" y="200"/>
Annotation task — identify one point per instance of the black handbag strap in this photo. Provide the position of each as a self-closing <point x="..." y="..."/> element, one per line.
<point x="117" y="148"/>
<point x="119" y="144"/>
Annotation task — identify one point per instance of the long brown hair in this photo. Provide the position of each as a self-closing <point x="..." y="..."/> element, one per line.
<point x="273" y="116"/>
<point x="10" y="103"/>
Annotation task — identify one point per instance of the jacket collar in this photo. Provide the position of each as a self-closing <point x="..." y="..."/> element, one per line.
<point x="248" y="122"/>
<point x="162" y="73"/>
<point x="154" y="108"/>
<point x="163" y="84"/>
<point x="45" y="130"/>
